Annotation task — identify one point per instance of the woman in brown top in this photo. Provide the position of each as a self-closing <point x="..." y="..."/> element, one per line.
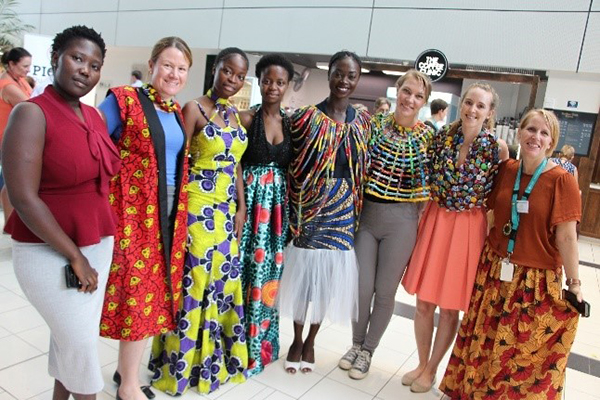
<point x="515" y="339"/>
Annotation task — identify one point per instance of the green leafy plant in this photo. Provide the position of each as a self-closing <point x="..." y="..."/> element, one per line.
<point x="11" y="26"/>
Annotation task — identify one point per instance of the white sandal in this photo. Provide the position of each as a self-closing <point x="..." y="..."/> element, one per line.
<point x="291" y="367"/>
<point x="307" y="367"/>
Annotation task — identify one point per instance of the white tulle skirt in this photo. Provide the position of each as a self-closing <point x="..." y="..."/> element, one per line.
<point x="327" y="280"/>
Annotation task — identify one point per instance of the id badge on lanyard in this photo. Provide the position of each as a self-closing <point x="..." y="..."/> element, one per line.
<point x="507" y="270"/>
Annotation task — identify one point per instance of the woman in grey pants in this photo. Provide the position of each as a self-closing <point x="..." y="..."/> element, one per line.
<point x="396" y="188"/>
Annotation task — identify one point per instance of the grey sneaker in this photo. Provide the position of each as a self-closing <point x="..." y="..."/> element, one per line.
<point x="361" y="365"/>
<point x="348" y="359"/>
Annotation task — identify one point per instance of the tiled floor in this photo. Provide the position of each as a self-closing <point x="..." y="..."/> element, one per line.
<point x="24" y="340"/>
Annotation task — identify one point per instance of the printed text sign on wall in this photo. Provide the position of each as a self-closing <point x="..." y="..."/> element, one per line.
<point x="432" y="63"/>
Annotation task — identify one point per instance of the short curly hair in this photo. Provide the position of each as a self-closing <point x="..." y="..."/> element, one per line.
<point x="64" y="38"/>
<point x="274" y="59"/>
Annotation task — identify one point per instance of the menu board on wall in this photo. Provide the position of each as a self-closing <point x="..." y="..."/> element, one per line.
<point x="576" y="129"/>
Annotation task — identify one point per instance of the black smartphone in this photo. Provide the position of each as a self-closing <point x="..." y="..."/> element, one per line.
<point x="71" y="278"/>
<point x="583" y="308"/>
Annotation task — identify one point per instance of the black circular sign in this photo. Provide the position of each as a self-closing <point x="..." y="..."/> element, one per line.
<point x="432" y="63"/>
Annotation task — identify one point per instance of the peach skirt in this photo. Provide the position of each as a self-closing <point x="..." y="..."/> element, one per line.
<point x="444" y="261"/>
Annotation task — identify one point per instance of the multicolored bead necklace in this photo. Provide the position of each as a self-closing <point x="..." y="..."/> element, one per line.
<point x="316" y="139"/>
<point x="399" y="160"/>
<point x="467" y="186"/>
<point x="168" y="106"/>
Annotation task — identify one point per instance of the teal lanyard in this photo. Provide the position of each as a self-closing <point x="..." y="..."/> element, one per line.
<point x="514" y="219"/>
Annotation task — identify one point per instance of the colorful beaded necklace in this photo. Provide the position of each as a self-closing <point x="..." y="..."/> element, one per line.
<point x="224" y="106"/>
<point x="316" y="140"/>
<point x="467" y="186"/>
<point x="399" y="160"/>
<point x="168" y="106"/>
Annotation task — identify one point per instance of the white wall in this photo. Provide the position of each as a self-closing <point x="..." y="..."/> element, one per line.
<point x="563" y="86"/>
<point x="535" y="34"/>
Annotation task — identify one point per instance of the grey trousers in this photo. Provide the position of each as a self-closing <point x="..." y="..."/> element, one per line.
<point x="384" y="242"/>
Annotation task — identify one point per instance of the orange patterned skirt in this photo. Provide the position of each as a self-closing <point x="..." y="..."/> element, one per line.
<point x="515" y="338"/>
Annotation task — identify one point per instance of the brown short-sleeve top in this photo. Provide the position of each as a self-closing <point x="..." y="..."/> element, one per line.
<point x="555" y="199"/>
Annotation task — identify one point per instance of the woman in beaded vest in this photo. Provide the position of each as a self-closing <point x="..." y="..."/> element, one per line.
<point x="150" y="198"/>
<point x="264" y="209"/>
<point x="208" y="348"/>
<point x="395" y="190"/>
<point x="453" y="228"/>
<point x="329" y="143"/>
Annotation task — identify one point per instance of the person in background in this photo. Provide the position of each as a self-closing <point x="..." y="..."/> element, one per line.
<point x="565" y="158"/>
<point x="515" y="338"/>
<point x="326" y="174"/>
<point x="360" y="107"/>
<point x="395" y="190"/>
<point x="58" y="164"/>
<point x="382" y="106"/>
<point x="208" y="348"/>
<point x="14" y="89"/>
<point x="136" y="78"/>
<point x="439" y="111"/>
<point x="150" y="198"/>
<point x="30" y="81"/>
<point x="264" y="209"/>
<point x="452" y="231"/>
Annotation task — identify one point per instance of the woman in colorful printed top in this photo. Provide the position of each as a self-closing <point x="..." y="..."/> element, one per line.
<point x="150" y="197"/>
<point x="567" y="153"/>
<point x="265" y="164"/>
<point x="452" y="232"/>
<point x="208" y="347"/>
<point x="395" y="189"/>
<point x="515" y="339"/>
<point x="326" y="175"/>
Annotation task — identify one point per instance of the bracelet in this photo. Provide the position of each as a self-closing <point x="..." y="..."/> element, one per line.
<point x="573" y="281"/>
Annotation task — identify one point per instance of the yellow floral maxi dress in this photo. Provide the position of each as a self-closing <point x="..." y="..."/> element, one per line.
<point x="208" y="347"/>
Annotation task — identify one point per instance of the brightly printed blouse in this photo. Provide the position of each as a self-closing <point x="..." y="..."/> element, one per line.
<point x="399" y="161"/>
<point x="467" y="186"/>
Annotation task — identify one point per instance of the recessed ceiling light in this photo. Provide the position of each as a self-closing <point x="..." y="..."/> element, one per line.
<point x="323" y="65"/>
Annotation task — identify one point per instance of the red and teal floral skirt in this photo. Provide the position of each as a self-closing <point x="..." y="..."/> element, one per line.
<point x="515" y="338"/>
<point x="261" y="252"/>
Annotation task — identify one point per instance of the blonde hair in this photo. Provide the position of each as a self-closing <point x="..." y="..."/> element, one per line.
<point x="419" y="77"/>
<point x="171" y="41"/>
<point x="488" y="123"/>
<point x="567" y="151"/>
<point x="551" y="122"/>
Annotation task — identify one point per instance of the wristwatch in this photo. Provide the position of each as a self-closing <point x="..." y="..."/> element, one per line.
<point x="573" y="281"/>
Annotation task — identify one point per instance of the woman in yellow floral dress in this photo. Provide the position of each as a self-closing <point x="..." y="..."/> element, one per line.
<point x="208" y="347"/>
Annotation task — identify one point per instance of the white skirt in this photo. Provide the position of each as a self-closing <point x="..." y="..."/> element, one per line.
<point x="325" y="279"/>
<point x="73" y="317"/>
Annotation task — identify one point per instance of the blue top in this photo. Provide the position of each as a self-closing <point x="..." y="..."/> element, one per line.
<point x="566" y="165"/>
<point x="174" y="136"/>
